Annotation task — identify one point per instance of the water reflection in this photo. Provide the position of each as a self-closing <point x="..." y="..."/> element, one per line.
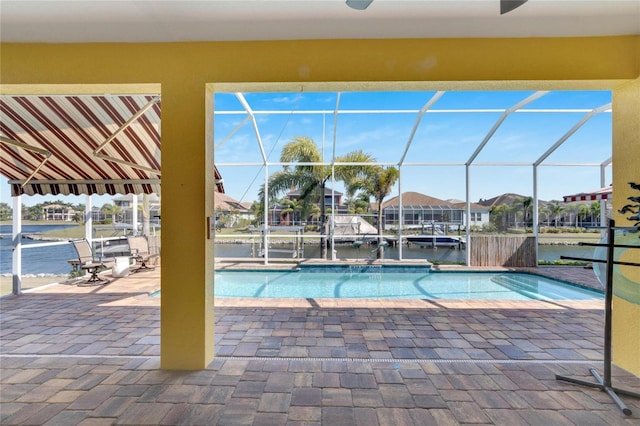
<point x="365" y="252"/>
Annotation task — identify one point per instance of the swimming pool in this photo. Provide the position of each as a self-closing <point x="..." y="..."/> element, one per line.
<point x="396" y="285"/>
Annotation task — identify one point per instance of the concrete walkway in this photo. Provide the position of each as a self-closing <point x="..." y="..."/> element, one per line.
<point x="89" y="355"/>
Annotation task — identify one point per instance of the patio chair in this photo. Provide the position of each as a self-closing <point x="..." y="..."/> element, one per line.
<point x="139" y="247"/>
<point x="154" y="247"/>
<point x="87" y="262"/>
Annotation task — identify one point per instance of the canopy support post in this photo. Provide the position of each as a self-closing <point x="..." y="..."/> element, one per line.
<point x="603" y="202"/>
<point x="134" y="214"/>
<point x="17" y="245"/>
<point x="400" y="212"/>
<point x="333" y="204"/>
<point x="467" y="169"/>
<point x="265" y="232"/>
<point x="536" y="212"/>
<point x="88" y="219"/>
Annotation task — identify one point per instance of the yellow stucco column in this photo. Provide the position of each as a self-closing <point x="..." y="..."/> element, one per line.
<point x="186" y="311"/>
<point x="626" y="170"/>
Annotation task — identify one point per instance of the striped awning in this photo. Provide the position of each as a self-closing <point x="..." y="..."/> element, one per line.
<point x="71" y="145"/>
<point x="596" y="195"/>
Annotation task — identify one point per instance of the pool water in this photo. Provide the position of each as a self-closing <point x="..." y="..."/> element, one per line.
<point x="396" y="285"/>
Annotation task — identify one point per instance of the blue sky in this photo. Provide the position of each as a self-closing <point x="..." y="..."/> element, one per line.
<point x="444" y="135"/>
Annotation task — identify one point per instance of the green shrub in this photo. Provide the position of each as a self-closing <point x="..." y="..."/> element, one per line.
<point x="489" y="228"/>
<point x="438" y="262"/>
<point x="516" y="231"/>
<point x="242" y="223"/>
<point x="575" y="230"/>
<point x="76" y="273"/>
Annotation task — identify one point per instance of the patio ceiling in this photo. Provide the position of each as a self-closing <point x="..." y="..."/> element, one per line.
<point x="83" y="144"/>
<point x="162" y="21"/>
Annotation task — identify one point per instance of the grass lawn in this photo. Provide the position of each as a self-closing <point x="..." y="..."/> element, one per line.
<point x="70" y="233"/>
<point x="587" y="237"/>
<point x="73" y="231"/>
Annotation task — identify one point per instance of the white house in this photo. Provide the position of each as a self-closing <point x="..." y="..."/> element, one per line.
<point x="58" y="212"/>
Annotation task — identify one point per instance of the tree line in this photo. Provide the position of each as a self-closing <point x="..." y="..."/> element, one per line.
<point x="519" y="213"/>
<point x="109" y="212"/>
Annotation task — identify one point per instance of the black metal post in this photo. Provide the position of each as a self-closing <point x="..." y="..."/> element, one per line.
<point x="604" y="384"/>
<point x="608" y="300"/>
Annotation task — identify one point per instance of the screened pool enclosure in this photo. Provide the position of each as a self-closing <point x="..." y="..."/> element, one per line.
<point x="456" y="148"/>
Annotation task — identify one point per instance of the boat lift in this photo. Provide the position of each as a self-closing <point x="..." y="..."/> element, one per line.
<point x="296" y="250"/>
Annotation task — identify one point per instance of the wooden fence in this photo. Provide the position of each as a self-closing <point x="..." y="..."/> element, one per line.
<point x="502" y="250"/>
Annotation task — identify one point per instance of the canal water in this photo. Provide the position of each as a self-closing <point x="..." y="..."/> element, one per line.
<point x="39" y="260"/>
<point x="53" y="260"/>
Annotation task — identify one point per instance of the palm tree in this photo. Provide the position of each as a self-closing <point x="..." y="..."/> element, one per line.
<point x="376" y="182"/>
<point x="524" y="204"/>
<point x="499" y="215"/>
<point x="572" y="209"/>
<point x="256" y="209"/>
<point x="35" y="212"/>
<point x="111" y="210"/>
<point x="349" y="174"/>
<point x="555" y="208"/>
<point x="311" y="179"/>
<point x="594" y="209"/>
<point x="583" y="212"/>
<point x="6" y="211"/>
<point x="359" y="204"/>
<point x="289" y="207"/>
<point x="314" y="212"/>
<point x="544" y="211"/>
<point x="527" y="206"/>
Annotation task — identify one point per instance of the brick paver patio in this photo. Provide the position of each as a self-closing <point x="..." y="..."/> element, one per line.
<point x="89" y="355"/>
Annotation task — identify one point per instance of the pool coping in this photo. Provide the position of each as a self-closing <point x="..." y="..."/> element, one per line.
<point x="578" y="276"/>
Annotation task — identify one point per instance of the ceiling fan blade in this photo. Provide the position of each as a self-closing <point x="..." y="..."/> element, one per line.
<point x="359" y="4"/>
<point x="508" y="5"/>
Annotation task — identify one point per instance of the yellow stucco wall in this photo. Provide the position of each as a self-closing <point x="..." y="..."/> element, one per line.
<point x="184" y="69"/>
<point x="626" y="168"/>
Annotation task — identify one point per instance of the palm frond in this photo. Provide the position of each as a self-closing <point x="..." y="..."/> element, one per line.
<point x="300" y="149"/>
<point x="282" y="181"/>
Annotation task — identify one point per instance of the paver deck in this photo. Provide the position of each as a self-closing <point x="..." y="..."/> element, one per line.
<point x="89" y="355"/>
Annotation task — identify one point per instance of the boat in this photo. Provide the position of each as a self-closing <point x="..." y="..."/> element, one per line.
<point x="436" y="240"/>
